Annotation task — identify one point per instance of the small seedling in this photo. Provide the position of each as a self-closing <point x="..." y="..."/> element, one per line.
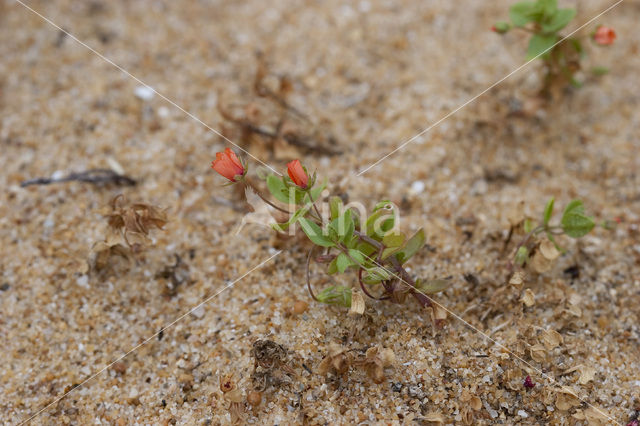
<point x="372" y="246"/>
<point x="541" y="252"/>
<point x="561" y="57"/>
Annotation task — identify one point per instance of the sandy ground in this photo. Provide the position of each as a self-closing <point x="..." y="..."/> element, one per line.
<point x="371" y="74"/>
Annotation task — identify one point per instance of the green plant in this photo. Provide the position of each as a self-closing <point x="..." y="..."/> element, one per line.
<point x="539" y="253"/>
<point x="561" y="56"/>
<point x="370" y="245"/>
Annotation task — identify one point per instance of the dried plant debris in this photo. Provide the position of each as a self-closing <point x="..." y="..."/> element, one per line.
<point x="374" y="361"/>
<point x="93" y="176"/>
<point x="288" y="128"/>
<point x="174" y="276"/>
<point x="128" y="230"/>
<point x="134" y="221"/>
<point x="234" y="397"/>
<point x="271" y="364"/>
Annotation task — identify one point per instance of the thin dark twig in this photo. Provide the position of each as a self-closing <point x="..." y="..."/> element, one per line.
<point x="93" y="176"/>
<point x="308" y="274"/>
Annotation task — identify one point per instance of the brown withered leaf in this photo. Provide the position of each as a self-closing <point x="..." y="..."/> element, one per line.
<point x="528" y="298"/>
<point x="337" y="360"/>
<point x="375" y="361"/>
<point x="102" y="253"/>
<point x="134" y="221"/>
<point x="566" y="398"/>
<point x="551" y="339"/>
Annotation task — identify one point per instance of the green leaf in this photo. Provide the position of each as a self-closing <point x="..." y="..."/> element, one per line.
<point x="547" y="8"/>
<point x="342" y="227"/>
<point x="432" y="286"/>
<point x="278" y="189"/>
<point x="382" y="219"/>
<point x="540" y="45"/>
<point x="335" y="295"/>
<point x="378" y="273"/>
<point x="558" y="21"/>
<point x="393" y="240"/>
<point x="415" y="243"/>
<point x="359" y="258"/>
<point x="314" y="232"/>
<point x="522" y="256"/>
<point x="548" y="211"/>
<point x="521" y="13"/>
<point x="501" y="27"/>
<point x="528" y="225"/>
<point x="333" y="266"/>
<point x="281" y="227"/>
<point x="574" y="221"/>
<point x="343" y="262"/>
<point x="389" y="251"/>
<point x="335" y="207"/>
<point x="365" y="248"/>
<point x="355" y="258"/>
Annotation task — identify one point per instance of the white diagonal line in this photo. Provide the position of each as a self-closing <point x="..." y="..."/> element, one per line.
<point x="150" y="337"/>
<point x="450" y="113"/>
<point x="124" y="71"/>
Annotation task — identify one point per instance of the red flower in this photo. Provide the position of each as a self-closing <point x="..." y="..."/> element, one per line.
<point x="528" y="383"/>
<point x="228" y="165"/>
<point x="604" y="36"/>
<point x="297" y="174"/>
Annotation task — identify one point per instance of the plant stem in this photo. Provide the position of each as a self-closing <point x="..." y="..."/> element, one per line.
<point x="250" y="184"/>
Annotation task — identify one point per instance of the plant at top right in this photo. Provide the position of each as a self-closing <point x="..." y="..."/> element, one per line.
<point x="561" y="56"/>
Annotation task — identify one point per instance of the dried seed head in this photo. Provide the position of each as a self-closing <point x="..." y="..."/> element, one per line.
<point x="229" y="389"/>
<point x="268" y="354"/>
<point x="134" y="221"/>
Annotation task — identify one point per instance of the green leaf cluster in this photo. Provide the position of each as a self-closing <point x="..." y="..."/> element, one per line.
<point x="547" y="20"/>
<point x="574" y="223"/>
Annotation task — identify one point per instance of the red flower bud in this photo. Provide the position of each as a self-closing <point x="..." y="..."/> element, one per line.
<point x="604" y="36"/>
<point x="228" y="165"/>
<point x="297" y="174"/>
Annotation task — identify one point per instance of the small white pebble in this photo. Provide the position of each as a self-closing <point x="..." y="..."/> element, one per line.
<point x="83" y="281"/>
<point x="58" y="174"/>
<point x="417" y="187"/>
<point x="198" y="312"/>
<point x="523" y="414"/>
<point x="145" y="93"/>
<point x="163" y="112"/>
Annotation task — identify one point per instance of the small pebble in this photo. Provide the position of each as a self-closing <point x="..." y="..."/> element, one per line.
<point x="417" y="187"/>
<point x="299" y="307"/>
<point x="145" y="93"/>
<point x="254" y="398"/>
<point x="198" y="312"/>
